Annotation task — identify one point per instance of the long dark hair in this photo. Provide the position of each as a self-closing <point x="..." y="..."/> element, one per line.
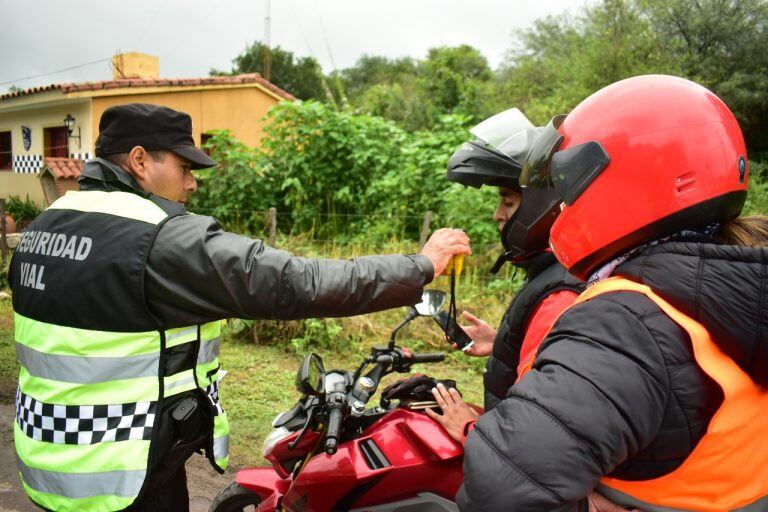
<point x="751" y="231"/>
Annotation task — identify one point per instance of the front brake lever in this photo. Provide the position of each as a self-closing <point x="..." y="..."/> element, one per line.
<point x="310" y="416"/>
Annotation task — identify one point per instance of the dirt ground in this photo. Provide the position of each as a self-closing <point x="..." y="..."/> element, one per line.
<point x="204" y="482"/>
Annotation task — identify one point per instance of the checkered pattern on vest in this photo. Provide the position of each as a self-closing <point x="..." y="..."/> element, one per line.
<point x="84" y="424"/>
<point x="212" y="391"/>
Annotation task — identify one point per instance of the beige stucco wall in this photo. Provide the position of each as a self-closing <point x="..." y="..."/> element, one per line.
<point x="239" y="109"/>
<point x="14" y="184"/>
<point x="38" y="116"/>
<point x="45" y="111"/>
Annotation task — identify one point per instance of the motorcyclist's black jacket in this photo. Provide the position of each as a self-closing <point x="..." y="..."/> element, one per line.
<point x="615" y="389"/>
<point x="543" y="276"/>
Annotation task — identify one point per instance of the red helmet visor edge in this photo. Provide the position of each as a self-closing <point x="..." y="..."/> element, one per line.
<point x="535" y="172"/>
<point x="569" y="171"/>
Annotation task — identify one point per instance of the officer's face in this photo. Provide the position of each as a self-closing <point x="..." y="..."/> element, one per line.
<point x="509" y="202"/>
<point x="170" y="178"/>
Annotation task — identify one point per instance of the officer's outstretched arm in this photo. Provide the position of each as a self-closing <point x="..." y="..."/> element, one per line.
<point x="198" y="272"/>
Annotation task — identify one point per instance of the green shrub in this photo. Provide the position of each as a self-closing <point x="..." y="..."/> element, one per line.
<point x="4" y="274"/>
<point x="319" y="333"/>
<point x="342" y="176"/>
<point x="21" y="211"/>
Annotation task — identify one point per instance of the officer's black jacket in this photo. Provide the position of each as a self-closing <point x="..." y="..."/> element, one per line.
<point x="197" y="272"/>
<point x="615" y="389"/>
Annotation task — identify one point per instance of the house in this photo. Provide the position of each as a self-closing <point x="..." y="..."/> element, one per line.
<point x="60" y="121"/>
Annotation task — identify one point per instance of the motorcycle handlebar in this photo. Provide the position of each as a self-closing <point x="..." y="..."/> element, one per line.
<point x="334" y="427"/>
<point x="428" y="358"/>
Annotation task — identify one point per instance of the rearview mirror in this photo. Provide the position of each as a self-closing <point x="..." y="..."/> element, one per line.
<point x="311" y="375"/>
<point x="431" y="303"/>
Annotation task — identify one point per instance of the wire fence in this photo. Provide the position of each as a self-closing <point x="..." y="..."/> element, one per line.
<point x="349" y="235"/>
<point x="333" y="228"/>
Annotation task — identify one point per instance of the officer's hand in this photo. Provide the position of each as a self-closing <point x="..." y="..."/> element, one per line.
<point x="599" y="503"/>
<point x="443" y="245"/>
<point x="481" y="333"/>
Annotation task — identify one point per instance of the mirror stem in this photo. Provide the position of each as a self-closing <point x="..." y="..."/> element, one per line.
<point x="412" y="313"/>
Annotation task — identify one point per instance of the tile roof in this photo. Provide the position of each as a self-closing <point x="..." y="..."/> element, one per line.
<point x="66" y="88"/>
<point x="63" y="168"/>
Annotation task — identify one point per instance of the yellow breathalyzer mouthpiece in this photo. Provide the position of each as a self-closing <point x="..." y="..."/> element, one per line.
<point x="455" y="264"/>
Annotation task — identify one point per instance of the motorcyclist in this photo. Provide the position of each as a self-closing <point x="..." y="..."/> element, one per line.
<point x="651" y="387"/>
<point x="495" y="158"/>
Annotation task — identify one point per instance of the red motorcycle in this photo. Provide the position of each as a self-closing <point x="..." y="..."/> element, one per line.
<point x="332" y="453"/>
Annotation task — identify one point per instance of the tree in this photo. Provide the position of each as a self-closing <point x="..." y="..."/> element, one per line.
<point x="563" y="59"/>
<point x="417" y="93"/>
<point x="300" y="76"/>
<point x="373" y="70"/>
<point x="724" y="45"/>
<point x="450" y="76"/>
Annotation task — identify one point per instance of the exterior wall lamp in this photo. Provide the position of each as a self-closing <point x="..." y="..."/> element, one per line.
<point x="69" y="122"/>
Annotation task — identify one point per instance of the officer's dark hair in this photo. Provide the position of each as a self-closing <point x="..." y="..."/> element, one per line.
<point x="121" y="159"/>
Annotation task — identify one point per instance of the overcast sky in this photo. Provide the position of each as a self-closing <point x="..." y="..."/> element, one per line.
<point x="192" y="36"/>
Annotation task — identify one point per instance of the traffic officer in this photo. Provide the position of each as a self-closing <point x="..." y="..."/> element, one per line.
<point x="118" y="293"/>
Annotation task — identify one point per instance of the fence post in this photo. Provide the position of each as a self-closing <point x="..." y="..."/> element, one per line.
<point x="425" y="229"/>
<point x="272" y="226"/>
<point x="3" y="241"/>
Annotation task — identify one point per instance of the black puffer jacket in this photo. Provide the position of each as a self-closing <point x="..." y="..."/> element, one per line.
<point x="544" y="275"/>
<point x="615" y="389"/>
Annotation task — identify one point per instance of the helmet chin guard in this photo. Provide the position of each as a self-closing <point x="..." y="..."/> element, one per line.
<point x="526" y="233"/>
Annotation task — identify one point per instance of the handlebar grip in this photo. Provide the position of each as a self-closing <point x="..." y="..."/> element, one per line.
<point x="428" y="358"/>
<point x="332" y="433"/>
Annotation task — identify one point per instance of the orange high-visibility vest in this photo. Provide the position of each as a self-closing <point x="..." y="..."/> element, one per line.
<point x="728" y="468"/>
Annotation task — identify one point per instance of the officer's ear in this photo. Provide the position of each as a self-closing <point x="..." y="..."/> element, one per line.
<point x="137" y="163"/>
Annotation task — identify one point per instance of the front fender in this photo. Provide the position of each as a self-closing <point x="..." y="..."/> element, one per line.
<point x="264" y="482"/>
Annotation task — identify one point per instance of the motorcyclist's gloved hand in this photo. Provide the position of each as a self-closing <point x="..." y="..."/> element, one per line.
<point x="417" y="387"/>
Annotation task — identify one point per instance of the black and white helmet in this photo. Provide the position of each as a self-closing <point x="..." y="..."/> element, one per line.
<point x="496" y="155"/>
<point x="495" y="158"/>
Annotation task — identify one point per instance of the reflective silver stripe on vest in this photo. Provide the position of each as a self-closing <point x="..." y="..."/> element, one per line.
<point x="86" y="370"/>
<point x="184" y="332"/>
<point x="83" y="485"/>
<point x="221" y="447"/>
<point x="179" y="383"/>
<point x="620" y="498"/>
<point x="209" y="351"/>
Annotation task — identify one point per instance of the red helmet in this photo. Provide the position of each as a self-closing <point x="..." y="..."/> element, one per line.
<point x="642" y="158"/>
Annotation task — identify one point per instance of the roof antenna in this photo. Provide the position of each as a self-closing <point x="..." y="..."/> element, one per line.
<point x="267" y="42"/>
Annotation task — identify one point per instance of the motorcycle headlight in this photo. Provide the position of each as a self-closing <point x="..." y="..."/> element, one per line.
<point x="273" y="438"/>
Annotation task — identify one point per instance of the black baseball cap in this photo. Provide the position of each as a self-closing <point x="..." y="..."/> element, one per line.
<point x="123" y="127"/>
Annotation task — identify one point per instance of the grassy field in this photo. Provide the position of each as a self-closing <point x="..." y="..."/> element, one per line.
<point x="260" y="379"/>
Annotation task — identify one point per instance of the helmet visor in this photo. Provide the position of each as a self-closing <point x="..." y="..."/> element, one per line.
<point x="570" y="171"/>
<point x="509" y="132"/>
<point x="536" y="170"/>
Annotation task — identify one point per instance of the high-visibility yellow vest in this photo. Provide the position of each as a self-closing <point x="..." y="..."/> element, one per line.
<point x="97" y="370"/>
